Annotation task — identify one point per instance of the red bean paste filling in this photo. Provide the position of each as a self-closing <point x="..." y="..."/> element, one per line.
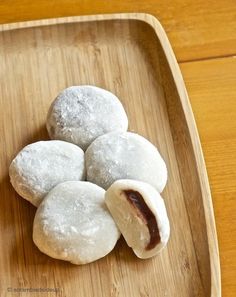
<point x="137" y="201"/>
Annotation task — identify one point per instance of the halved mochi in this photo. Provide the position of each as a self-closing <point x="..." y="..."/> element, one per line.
<point x="140" y="214"/>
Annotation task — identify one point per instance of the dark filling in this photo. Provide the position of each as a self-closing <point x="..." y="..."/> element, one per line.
<point x="137" y="201"/>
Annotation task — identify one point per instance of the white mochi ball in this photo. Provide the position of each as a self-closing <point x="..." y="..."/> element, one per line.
<point x="73" y="223"/>
<point x="124" y="155"/>
<point x="42" y="165"/>
<point x="80" y="114"/>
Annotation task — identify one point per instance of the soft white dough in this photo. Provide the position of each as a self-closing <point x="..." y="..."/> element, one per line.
<point x="131" y="222"/>
<point x="124" y="155"/>
<point x="73" y="223"/>
<point x="40" y="166"/>
<point x="80" y="114"/>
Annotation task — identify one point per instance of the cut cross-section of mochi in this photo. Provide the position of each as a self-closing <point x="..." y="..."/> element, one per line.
<point x="73" y="223"/>
<point x="139" y="212"/>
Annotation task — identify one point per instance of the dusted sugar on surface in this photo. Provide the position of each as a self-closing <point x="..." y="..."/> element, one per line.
<point x="80" y="114"/>
<point x="40" y="166"/>
<point x="74" y="224"/>
<point x="124" y="155"/>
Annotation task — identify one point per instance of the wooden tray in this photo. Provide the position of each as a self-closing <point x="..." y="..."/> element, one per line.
<point x="130" y="55"/>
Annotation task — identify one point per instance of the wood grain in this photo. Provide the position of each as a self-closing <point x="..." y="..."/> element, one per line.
<point x="196" y="29"/>
<point x="37" y="62"/>
<point x="212" y="89"/>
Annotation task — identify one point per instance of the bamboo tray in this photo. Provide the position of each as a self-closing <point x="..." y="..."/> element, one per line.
<point x="130" y="55"/>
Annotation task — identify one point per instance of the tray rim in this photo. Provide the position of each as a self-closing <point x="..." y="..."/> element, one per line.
<point x="154" y="23"/>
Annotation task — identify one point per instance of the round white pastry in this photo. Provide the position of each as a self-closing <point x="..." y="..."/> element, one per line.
<point x="80" y="114"/>
<point x="124" y="155"/>
<point x="140" y="213"/>
<point x="73" y="223"/>
<point x="40" y="166"/>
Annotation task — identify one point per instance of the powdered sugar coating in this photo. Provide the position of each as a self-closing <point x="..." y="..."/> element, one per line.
<point x="80" y="114"/>
<point x="124" y="155"/>
<point x="40" y="166"/>
<point x="73" y="223"/>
